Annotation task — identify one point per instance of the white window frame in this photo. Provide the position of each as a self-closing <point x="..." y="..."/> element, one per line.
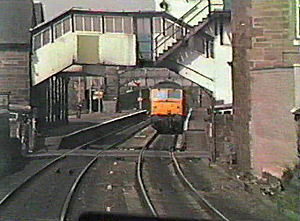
<point x="92" y="22"/>
<point x="62" y="26"/>
<point x="42" y="39"/>
<point x="34" y="40"/>
<point x="100" y="22"/>
<point x="298" y="19"/>
<point x="131" y="23"/>
<point x="114" y="23"/>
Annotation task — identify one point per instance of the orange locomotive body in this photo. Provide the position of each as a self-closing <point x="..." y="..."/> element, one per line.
<point x="168" y="107"/>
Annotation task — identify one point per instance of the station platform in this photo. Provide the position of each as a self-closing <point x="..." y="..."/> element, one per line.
<point x="53" y="136"/>
<point x="196" y="137"/>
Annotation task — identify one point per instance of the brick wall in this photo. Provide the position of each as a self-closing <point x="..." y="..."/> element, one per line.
<point x="273" y="128"/>
<point x="263" y="35"/>
<point x="272" y="34"/>
<point x="14" y="76"/>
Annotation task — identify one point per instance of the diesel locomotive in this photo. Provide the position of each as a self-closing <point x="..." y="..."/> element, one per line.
<point x="168" y="107"/>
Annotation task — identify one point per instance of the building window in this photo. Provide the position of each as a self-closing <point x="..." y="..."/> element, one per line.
<point x="118" y="24"/>
<point x="62" y="27"/>
<point x="157" y="25"/>
<point x="128" y="25"/>
<point x="41" y="39"/>
<point x="298" y="18"/>
<point x="109" y="24"/>
<point x="78" y="23"/>
<point x="88" y="23"/>
<point x="37" y="41"/>
<point x="58" y="30"/>
<point x="46" y="36"/>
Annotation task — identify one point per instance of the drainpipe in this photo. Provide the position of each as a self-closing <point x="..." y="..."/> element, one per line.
<point x="214" y="153"/>
<point x="90" y="96"/>
<point x="209" y="7"/>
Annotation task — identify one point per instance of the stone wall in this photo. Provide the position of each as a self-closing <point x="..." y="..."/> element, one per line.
<point x="224" y="133"/>
<point x="14" y="75"/>
<point x="264" y="54"/>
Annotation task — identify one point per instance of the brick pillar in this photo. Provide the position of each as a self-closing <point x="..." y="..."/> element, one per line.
<point x="14" y="75"/>
<point x="112" y="90"/>
<point x="241" y="81"/>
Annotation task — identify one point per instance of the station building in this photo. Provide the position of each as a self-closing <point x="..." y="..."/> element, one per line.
<point x="86" y="43"/>
<point x="77" y="53"/>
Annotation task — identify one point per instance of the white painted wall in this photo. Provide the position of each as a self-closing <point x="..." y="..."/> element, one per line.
<point x="53" y="58"/>
<point x="117" y="49"/>
<point x="216" y="68"/>
<point x="80" y="47"/>
<point x="223" y="77"/>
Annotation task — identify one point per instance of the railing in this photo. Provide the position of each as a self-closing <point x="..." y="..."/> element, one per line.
<point x="183" y="30"/>
<point x="160" y="41"/>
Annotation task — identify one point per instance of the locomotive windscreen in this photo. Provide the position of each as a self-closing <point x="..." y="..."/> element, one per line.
<point x="167" y="94"/>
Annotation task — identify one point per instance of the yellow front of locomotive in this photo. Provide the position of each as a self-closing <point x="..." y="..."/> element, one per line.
<point x="166" y="102"/>
<point x="167" y="109"/>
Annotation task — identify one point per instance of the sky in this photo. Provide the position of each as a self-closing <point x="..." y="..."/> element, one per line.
<point x="55" y="7"/>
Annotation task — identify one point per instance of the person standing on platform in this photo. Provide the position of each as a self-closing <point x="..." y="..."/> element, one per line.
<point x="78" y="107"/>
<point x="101" y="95"/>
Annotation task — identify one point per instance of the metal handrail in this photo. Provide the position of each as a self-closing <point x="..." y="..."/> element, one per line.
<point x="159" y="43"/>
<point x="181" y="18"/>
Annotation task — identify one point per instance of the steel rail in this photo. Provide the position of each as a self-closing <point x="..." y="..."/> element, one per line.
<point x="31" y="177"/>
<point x="68" y="199"/>
<point x="140" y="178"/>
<point x="62" y="156"/>
<point x="193" y="189"/>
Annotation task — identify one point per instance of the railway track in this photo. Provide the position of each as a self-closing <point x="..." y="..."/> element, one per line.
<point x="204" y="206"/>
<point x="140" y="181"/>
<point x="63" y="171"/>
<point x="215" y="213"/>
<point x="57" y="182"/>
